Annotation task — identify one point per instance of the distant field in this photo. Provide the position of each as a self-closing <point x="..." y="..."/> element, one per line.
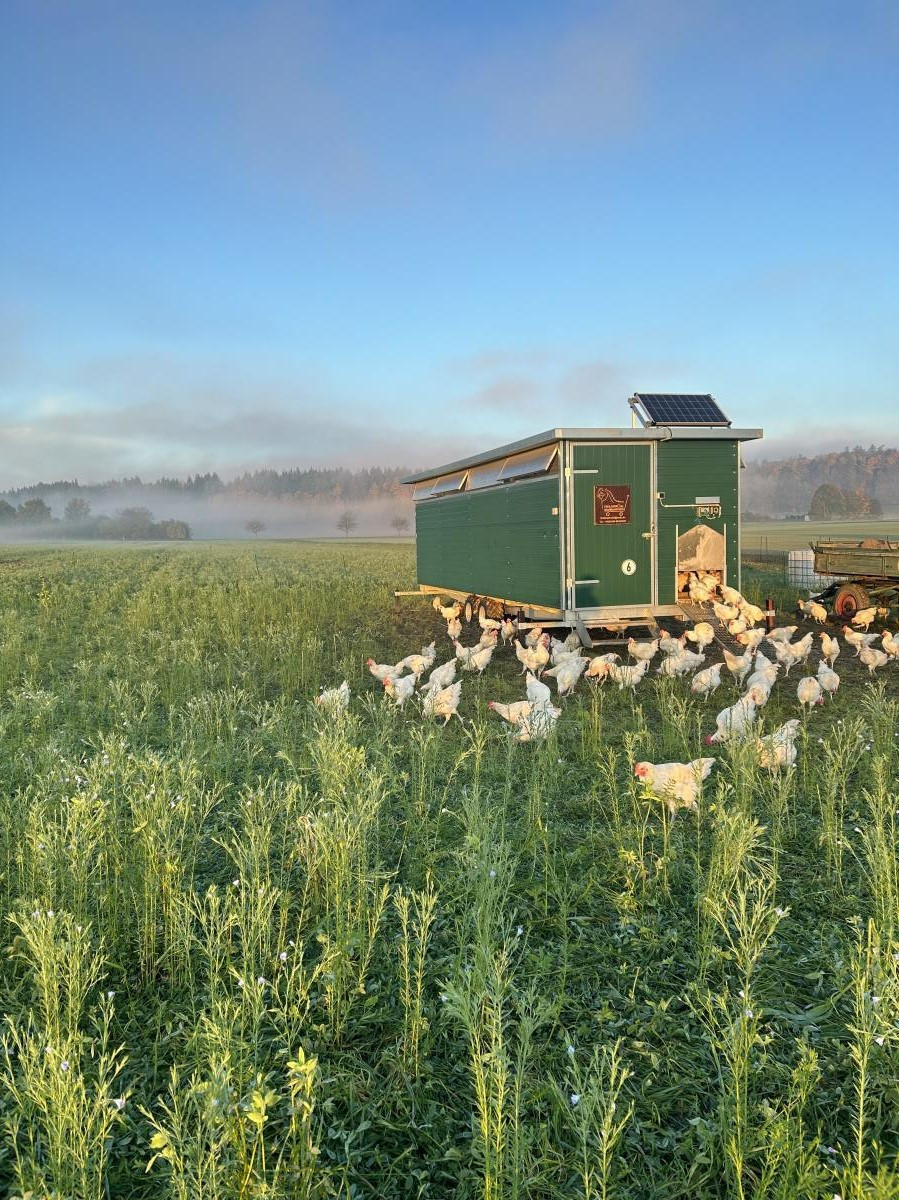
<point x="796" y="535"/>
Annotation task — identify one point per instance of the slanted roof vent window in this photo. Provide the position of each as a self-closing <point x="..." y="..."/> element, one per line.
<point x="423" y="489"/>
<point x="449" y="483"/>
<point x="532" y="462"/>
<point x="485" y="474"/>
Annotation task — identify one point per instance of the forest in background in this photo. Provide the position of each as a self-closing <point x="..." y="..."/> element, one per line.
<point x="788" y="486"/>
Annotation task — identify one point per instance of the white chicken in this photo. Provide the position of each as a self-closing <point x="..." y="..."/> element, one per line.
<point x="400" y="690"/>
<point x="676" y="665"/>
<point x="739" y="665"/>
<point x="453" y="628"/>
<point x="628" y="676"/>
<point x="809" y="692"/>
<point x="782" y="633"/>
<point x="678" y="784"/>
<point x="764" y="673"/>
<point x="890" y="645"/>
<point x="701" y="635"/>
<point x="536" y="658"/>
<point x="731" y="596"/>
<point x="442" y="676"/>
<point x="514" y="713"/>
<point x="865" y="616"/>
<point x="559" y="651"/>
<point x="699" y="593"/>
<point x="486" y="622"/>
<point x="705" y="682"/>
<point x="533" y="636"/>
<point x="873" y="658"/>
<point x="828" y="678"/>
<point x="813" y="609"/>
<point x="335" y="700"/>
<point x="642" y="651"/>
<point x="538" y="693"/>
<point x="669" y="644"/>
<point x="777" y="750"/>
<point x="567" y="673"/>
<point x="752" y="638"/>
<point x="573" y="641"/>
<point x="382" y="671"/>
<point x="725" y="612"/>
<point x="858" y="640"/>
<point x="737" y="721"/>
<point x="477" y="658"/>
<point x="443" y="702"/>
<point x="538" y="724"/>
<point x="508" y="630"/>
<point x="600" y="666"/>
<point x="447" y="611"/>
<point x="789" y="654"/>
<point x="830" y="647"/>
<point x="751" y="613"/>
<point x="737" y="625"/>
<point x="418" y="663"/>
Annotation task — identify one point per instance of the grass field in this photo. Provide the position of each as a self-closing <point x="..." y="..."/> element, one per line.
<point x="796" y="535"/>
<point x="255" y="952"/>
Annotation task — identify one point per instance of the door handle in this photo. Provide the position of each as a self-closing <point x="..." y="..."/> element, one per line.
<point x="649" y="536"/>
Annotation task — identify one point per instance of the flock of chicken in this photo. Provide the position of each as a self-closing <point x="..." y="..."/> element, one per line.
<point x="678" y="784"/>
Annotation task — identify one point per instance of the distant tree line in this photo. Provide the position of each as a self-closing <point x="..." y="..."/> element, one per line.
<point x="789" y="485"/>
<point x="35" y="517"/>
<point x="831" y="502"/>
<point x="315" y="483"/>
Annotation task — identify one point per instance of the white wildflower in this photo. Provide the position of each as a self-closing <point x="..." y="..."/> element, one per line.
<point x="575" y="1099"/>
<point x="570" y="1050"/>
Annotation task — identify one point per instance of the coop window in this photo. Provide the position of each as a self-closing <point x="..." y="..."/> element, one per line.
<point x="532" y="462"/>
<point x="449" y="483"/>
<point x="484" y="475"/>
<point x="423" y="489"/>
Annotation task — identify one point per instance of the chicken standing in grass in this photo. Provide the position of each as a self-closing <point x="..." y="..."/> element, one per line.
<point x="418" y="663"/>
<point x="669" y="644"/>
<point x="447" y="611"/>
<point x="735" y="722"/>
<point x="764" y="673"/>
<point x="477" y="658"/>
<point x="335" y="700"/>
<point x="486" y="622"/>
<point x="705" y="682"/>
<point x="858" y="640"/>
<point x="567" y="673"/>
<point x="739" y="665"/>
<point x="533" y="636"/>
<point x="442" y="676"/>
<point x="676" y="665"/>
<point x="828" y="678"/>
<point x="514" y="713"/>
<point x="600" y="666"/>
<point x="642" y="651"/>
<point x="538" y="724"/>
<point x="536" y="658"/>
<point x="752" y="613"/>
<point x="453" y="628"/>
<point x="400" y="690"/>
<point x="508" y="630"/>
<point x="628" y="676"/>
<point x="382" y="671"/>
<point x="443" y="702"/>
<point x="809" y="692"/>
<point x="889" y="644"/>
<point x="782" y="633"/>
<point x="830" y="647"/>
<point x="873" y="659"/>
<point x="790" y="654"/>
<point x="678" y="784"/>
<point x="778" y="749"/>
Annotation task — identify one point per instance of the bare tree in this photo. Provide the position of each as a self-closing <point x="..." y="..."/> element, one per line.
<point x="399" y="523"/>
<point x="347" y="522"/>
<point x="255" y="526"/>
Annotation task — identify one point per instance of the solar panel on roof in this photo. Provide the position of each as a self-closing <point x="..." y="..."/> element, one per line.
<point x="672" y="409"/>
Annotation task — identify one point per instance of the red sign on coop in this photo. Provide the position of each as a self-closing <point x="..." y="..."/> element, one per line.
<point x="611" y="504"/>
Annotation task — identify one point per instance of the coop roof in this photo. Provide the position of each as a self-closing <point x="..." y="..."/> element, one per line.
<point x="550" y="436"/>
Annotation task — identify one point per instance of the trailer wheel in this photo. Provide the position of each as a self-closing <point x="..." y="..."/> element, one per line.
<point x="850" y="599"/>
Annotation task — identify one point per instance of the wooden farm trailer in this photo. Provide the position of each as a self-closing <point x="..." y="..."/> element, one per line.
<point x="869" y="572"/>
<point x="588" y="527"/>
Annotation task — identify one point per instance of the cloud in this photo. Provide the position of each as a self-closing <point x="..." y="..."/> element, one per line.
<point x="519" y="395"/>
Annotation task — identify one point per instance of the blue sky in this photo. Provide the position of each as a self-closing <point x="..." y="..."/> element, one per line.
<point x="237" y="234"/>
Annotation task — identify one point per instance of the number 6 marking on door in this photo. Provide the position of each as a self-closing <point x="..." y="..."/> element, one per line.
<point x="628" y="567"/>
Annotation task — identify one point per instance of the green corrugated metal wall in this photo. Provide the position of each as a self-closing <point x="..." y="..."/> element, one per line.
<point x="687" y="469"/>
<point x="503" y="542"/>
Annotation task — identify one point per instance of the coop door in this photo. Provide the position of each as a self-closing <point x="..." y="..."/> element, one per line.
<point x="701" y="549"/>
<point x="612" y="516"/>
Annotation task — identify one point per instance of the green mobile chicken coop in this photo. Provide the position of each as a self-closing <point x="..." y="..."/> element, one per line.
<point x="588" y="526"/>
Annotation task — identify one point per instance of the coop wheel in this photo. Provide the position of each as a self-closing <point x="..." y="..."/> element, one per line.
<point x="850" y="599"/>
